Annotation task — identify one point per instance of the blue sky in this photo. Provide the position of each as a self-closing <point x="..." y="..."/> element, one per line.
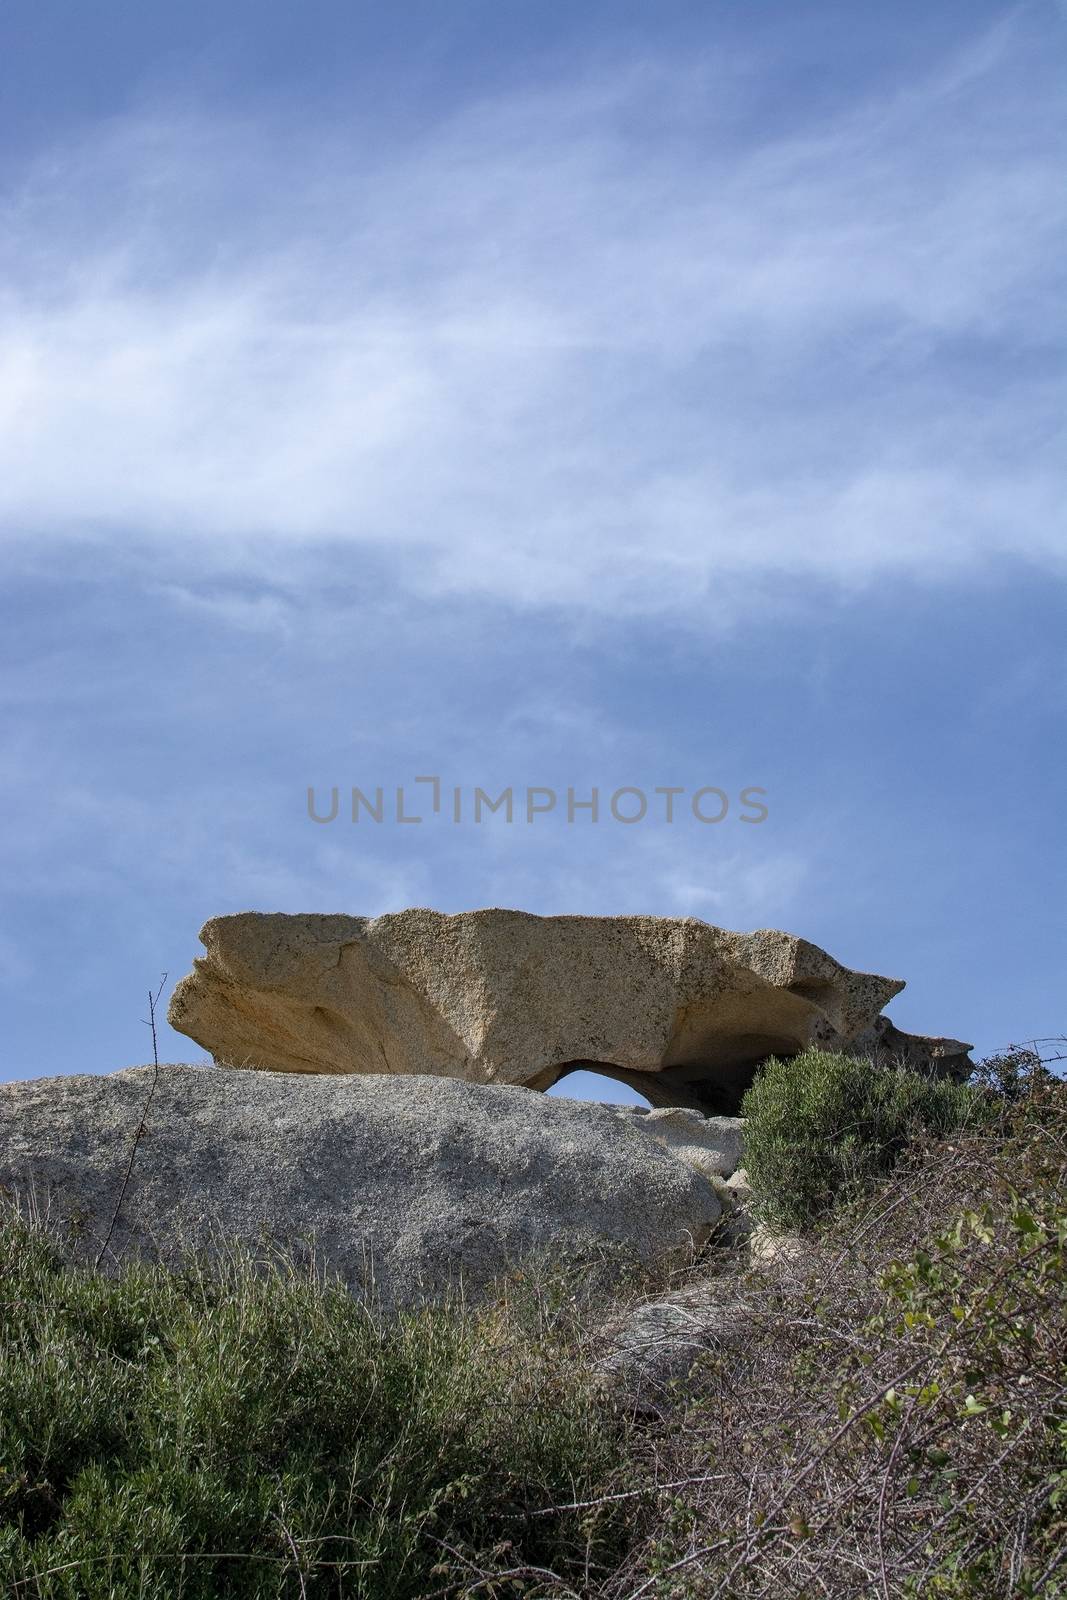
<point x="573" y="395"/>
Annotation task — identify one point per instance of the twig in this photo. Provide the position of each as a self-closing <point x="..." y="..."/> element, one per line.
<point x="627" y="1494"/>
<point x="296" y="1558"/>
<point x="150" y="1022"/>
<point x="676" y="1566"/>
<point x="482" y="1577"/>
<point x="183" y="1556"/>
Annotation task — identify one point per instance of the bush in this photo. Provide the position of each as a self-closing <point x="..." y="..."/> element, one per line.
<point x="1013" y="1074"/>
<point x="823" y="1128"/>
<point x="894" y="1422"/>
<point x="244" y="1429"/>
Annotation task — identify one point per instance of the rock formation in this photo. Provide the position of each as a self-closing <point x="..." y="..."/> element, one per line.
<point x="678" y="1009"/>
<point x="408" y="1188"/>
<point x="712" y="1145"/>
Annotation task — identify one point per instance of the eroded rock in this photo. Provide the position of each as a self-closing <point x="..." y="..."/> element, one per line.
<point x="680" y="1010"/>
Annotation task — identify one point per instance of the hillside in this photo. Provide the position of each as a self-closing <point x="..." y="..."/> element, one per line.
<point x="881" y="1412"/>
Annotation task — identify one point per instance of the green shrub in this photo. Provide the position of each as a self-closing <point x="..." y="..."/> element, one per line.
<point x="894" y="1422"/>
<point x="822" y="1128"/>
<point x="248" y="1430"/>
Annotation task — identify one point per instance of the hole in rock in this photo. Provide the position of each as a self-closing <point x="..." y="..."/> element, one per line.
<point x="711" y="1077"/>
<point x="590" y="1083"/>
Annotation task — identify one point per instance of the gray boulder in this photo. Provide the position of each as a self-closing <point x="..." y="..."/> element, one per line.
<point x="713" y="1145"/>
<point x="406" y="1186"/>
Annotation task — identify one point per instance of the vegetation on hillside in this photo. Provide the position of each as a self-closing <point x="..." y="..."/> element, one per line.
<point x="892" y="1422"/>
<point x="249" y="1431"/>
<point x="822" y="1128"/>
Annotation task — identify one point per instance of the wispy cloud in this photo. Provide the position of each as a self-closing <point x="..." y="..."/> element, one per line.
<point x="547" y="351"/>
<point x="249" y="613"/>
<point x="737" y="889"/>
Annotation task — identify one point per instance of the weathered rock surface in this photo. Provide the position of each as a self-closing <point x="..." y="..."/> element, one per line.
<point x="646" y="1350"/>
<point x="680" y="1010"/>
<point x="412" y="1184"/>
<point x="712" y="1145"/>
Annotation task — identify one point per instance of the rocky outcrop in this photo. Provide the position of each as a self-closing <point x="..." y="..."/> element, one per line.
<point x="405" y="1188"/>
<point x="713" y="1146"/>
<point x="680" y="1010"/>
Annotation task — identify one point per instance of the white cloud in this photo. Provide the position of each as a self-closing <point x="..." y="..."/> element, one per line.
<point x="740" y="890"/>
<point x="548" y="352"/>
<point x="747" y="879"/>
